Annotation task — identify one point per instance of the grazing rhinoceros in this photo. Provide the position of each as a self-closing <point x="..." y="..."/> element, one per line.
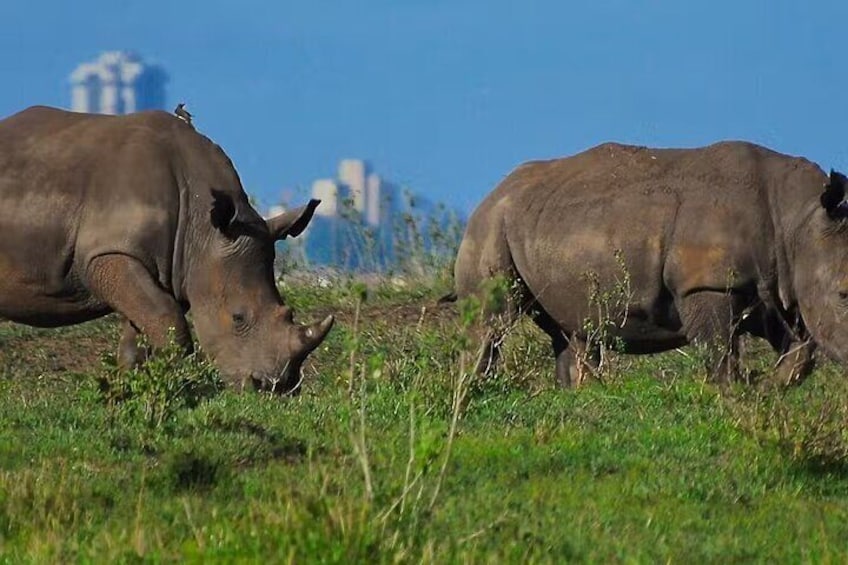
<point x="142" y="215"/>
<point x="705" y="243"/>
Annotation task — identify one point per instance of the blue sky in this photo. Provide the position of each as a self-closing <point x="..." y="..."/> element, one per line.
<point x="447" y="97"/>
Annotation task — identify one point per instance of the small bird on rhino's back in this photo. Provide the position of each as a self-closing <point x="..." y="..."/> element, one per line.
<point x="182" y="113"/>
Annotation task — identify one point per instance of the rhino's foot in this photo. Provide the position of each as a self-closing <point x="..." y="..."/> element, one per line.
<point x="722" y="361"/>
<point x="710" y="321"/>
<point x="576" y="362"/>
<point x="794" y="365"/>
<point x="130" y="355"/>
<point x="488" y="354"/>
<point x="725" y="371"/>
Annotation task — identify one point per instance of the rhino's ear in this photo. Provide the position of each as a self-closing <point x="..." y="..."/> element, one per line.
<point x="292" y="222"/>
<point x="833" y="197"/>
<point x="223" y="211"/>
<point x="233" y="220"/>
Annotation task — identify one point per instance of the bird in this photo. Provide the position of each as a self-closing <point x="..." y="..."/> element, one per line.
<point x="182" y="113"/>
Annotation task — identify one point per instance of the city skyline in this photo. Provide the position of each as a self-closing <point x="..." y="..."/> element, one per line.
<point x="359" y="209"/>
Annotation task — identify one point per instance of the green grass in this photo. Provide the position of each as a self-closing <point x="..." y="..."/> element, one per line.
<point x="651" y="465"/>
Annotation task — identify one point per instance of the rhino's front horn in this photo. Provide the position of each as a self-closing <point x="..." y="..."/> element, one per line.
<point x="314" y="334"/>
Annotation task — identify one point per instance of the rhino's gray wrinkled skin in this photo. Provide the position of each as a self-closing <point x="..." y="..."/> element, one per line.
<point x="142" y="215"/>
<point x="718" y="241"/>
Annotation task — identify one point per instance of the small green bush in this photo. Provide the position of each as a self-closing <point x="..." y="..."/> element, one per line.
<point x="165" y="383"/>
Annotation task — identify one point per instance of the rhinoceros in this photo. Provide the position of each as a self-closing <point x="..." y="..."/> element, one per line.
<point x="705" y="243"/>
<point x="144" y="216"/>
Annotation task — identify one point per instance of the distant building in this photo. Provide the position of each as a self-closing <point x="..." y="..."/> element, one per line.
<point x="352" y="228"/>
<point x="363" y="221"/>
<point x="357" y="191"/>
<point x="118" y="82"/>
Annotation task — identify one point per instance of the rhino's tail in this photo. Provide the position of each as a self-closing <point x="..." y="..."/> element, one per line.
<point x="450" y="297"/>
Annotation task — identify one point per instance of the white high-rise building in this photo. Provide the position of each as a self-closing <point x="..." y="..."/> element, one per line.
<point x="382" y="200"/>
<point x="118" y="82"/>
<point x="358" y="187"/>
<point x="327" y="191"/>
<point x="352" y="174"/>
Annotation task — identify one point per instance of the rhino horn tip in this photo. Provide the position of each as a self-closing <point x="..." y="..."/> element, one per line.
<point x="315" y="333"/>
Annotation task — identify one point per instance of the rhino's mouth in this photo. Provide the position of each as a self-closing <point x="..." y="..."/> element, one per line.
<point x="286" y="382"/>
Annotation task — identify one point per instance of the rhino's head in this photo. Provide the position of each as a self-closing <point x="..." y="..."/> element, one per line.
<point x="821" y="269"/>
<point x="238" y="314"/>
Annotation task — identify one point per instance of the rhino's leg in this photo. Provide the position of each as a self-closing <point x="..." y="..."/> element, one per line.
<point x="584" y="360"/>
<point x="129" y="353"/>
<point x="574" y="361"/>
<point x="796" y="362"/>
<point x="495" y="322"/>
<point x="128" y="288"/>
<point x="709" y="319"/>
<point x="564" y="357"/>
<point x="489" y="353"/>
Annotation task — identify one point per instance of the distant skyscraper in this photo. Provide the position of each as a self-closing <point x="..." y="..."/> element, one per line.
<point x="357" y="189"/>
<point x="356" y="225"/>
<point x="380" y="203"/>
<point x="352" y="173"/>
<point x="118" y="82"/>
<point x="367" y="223"/>
<point x="327" y="191"/>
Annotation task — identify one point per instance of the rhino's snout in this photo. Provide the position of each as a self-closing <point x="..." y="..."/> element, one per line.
<point x="288" y="378"/>
<point x="287" y="382"/>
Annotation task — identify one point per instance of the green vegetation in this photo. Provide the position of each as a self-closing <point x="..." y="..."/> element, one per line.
<point x="393" y="452"/>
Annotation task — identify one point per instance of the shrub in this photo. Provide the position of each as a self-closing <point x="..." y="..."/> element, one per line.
<point x="152" y="393"/>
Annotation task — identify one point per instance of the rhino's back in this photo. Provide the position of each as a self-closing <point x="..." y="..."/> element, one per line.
<point x="606" y="170"/>
<point x="74" y="186"/>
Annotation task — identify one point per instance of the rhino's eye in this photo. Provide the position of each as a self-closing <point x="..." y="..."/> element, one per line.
<point x="843" y="295"/>
<point x="239" y="320"/>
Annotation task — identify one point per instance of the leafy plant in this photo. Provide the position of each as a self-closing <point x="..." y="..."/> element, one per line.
<point x="610" y="306"/>
<point x="165" y="383"/>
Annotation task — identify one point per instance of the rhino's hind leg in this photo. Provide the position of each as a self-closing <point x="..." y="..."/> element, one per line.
<point x="494" y="327"/>
<point x="128" y="288"/>
<point x="709" y="320"/>
<point x="497" y="318"/>
<point x="489" y="353"/>
<point x="575" y="361"/>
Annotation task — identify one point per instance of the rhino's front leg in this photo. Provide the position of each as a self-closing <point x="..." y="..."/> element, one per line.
<point x="577" y="363"/>
<point x="126" y="286"/>
<point x="709" y="319"/>
<point x="575" y="360"/>
<point x="795" y="362"/>
<point x="129" y="353"/>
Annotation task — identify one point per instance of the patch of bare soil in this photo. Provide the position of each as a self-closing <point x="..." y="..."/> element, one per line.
<point x="406" y="314"/>
<point x="61" y="350"/>
<point x="78" y="349"/>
